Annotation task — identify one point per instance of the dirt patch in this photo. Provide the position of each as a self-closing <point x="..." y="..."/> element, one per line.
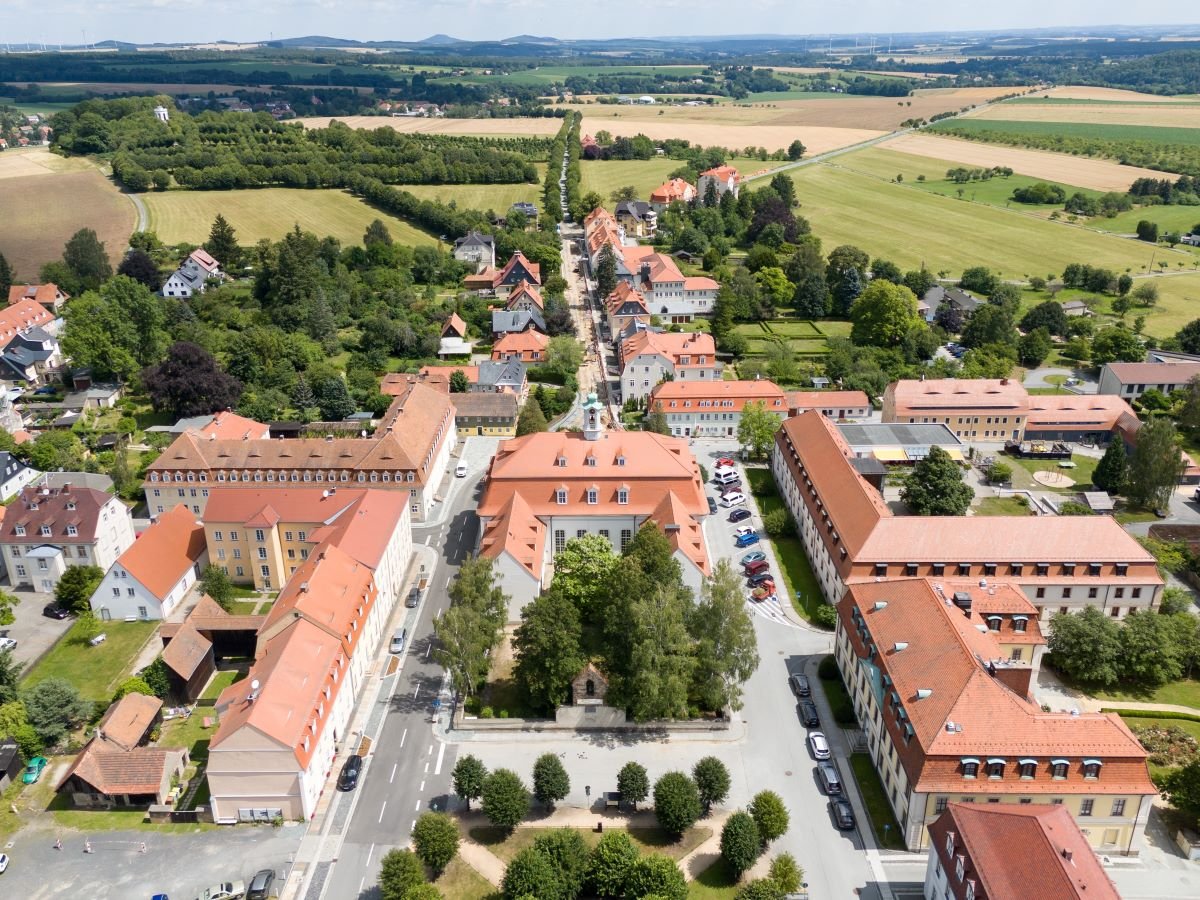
<point x="41" y="214"/>
<point x="1099" y="174"/>
<point x="1053" y="479"/>
<point x="22" y="163"/>
<point x="546" y="127"/>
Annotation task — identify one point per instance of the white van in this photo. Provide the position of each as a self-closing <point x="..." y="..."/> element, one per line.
<point x="737" y="498"/>
<point x="725" y="476"/>
<point x="460" y="470"/>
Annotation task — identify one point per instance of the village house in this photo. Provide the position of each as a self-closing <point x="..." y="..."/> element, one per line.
<point x="675" y="190"/>
<point x="625" y="306"/>
<point x="995" y="850"/>
<point x="508" y="321"/>
<point x="837" y="405"/>
<point x="32" y="356"/>
<point x="488" y="376"/>
<point x="476" y="249"/>
<point x="409" y="452"/>
<point x="48" y="295"/>
<point x="1130" y="380"/>
<point x="649" y="357"/>
<point x="724" y="180"/>
<point x="940" y="672"/>
<point x="525" y="297"/>
<point x="543" y="489"/>
<point x="47" y="529"/>
<point x="713" y="408"/>
<point x="521" y="346"/>
<point x="500" y="282"/>
<point x="637" y="218"/>
<point x="486" y="414"/>
<point x="454" y="338"/>
<point x="192" y="276"/>
<point x="851" y="536"/>
<point x="156" y="572"/>
<point x="15" y="475"/>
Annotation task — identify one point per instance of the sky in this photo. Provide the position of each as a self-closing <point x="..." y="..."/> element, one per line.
<point x="172" y="21"/>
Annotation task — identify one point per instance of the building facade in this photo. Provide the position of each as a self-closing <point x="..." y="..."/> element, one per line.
<point x="649" y="357"/>
<point x="974" y="409"/>
<point x="713" y="408"/>
<point x="1130" y="380"/>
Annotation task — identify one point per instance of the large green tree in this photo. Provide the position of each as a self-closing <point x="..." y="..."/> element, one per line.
<point x="883" y="314"/>
<point x="1086" y="646"/>
<point x="550" y="780"/>
<point x="606" y="272"/>
<point x="532" y="874"/>
<point x="770" y="815"/>
<point x="1116" y="344"/>
<point x="1150" y="656"/>
<point x="1181" y="787"/>
<point x="568" y="852"/>
<point x="676" y="802"/>
<point x="1113" y="469"/>
<point x="726" y="647"/>
<point x="399" y="873"/>
<point x="712" y="781"/>
<point x="468" y="777"/>
<point x="85" y="256"/>
<point x="117" y="330"/>
<point x="582" y="571"/>
<point x="531" y="420"/>
<point x="989" y="325"/>
<point x="756" y="428"/>
<point x="7" y="276"/>
<point x="215" y="582"/>
<point x="547" y="643"/>
<point x="222" y="244"/>
<point x="435" y="839"/>
<point x="54" y="709"/>
<point x="741" y="845"/>
<point x="76" y="586"/>
<point x="661" y="662"/>
<point x="633" y="783"/>
<point x="935" y="487"/>
<point x="657" y="876"/>
<point x="505" y="799"/>
<point x="190" y="383"/>
<point x="1156" y="465"/>
<point x="469" y="630"/>
<point x="611" y="861"/>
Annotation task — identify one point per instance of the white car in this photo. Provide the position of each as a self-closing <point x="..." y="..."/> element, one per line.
<point x="737" y="498"/>
<point x="460" y="471"/>
<point x="743" y="529"/>
<point x="3" y="861"/>
<point x="228" y="890"/>
<point x="818" y="745"/>
<point x="7" y="643"/>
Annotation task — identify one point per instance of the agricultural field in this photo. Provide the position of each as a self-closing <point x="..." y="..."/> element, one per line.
<point x="496" y="197"/>
<point x="1060" y="168"/>
<point x="33" y="161"/>
<point x="471" y="127"/>
<point x="1178" y="304"/>
<point x="1107" y="95"/>
<point x="914" y="227"/>
<point x="41" y="214"/>
<point x="718" y="133"/>
<point x="1141" y="115"/>
<point x="1112" y="129"/>
<point x="1169" y="218"/>
<point x="606" y="176"/>
<point x="185" y="216"/>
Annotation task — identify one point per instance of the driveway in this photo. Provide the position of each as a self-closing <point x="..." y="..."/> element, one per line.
<point x="33" y="632"/>
<point x="1036" y="378"/>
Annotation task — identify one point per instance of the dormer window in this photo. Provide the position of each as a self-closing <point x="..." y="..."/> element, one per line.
<point x="620" y="460"/>
<point x="19" y="531"/>
<point x="1058" y="768"/>
<point x="561" y="462"/>
<point x="72" y="531"/>
<point x="560" y="496"/>
<point x="590" y="461"/>
<point x="44" y="531"/>
<point x="1043" y="569"/>
<point x="623" y="496"/>
<point x="1091" y="768"/>
<point x="1094" y="569"/>
<point x="995" y="767"/>
<point x="993" y="623"/>
<point x="1019" y="623"/>
<point x="1016" y="568"/>
<point x="71" y="504"/>
<point x="593" y="496"/>
<point x="970" y="767"/>
<point x="1068" y="568"/>
<point x="1122" y="569"/>
<point x="1028" y="767"/>
<point x="33" y="504"/>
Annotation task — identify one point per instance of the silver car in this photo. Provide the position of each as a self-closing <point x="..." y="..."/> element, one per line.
<point x="817" y="745"/>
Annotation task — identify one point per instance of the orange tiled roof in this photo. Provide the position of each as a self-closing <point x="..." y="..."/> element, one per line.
<point x="522" y="290"/>
<point x="226" y="424"/>
<point x="19" y="316"/>
<point x="521" y="342"/>
<point x="331" y="589"/>
<point x="1016" y="850"/>
<point x="112" y="771"/>
<point x="164" y="552"/>
<point x="722" y="173"/>
<point x="721" y="393"/>
<point x="625" y="293"/>
<point x="672" y="190"/>
<point x="186" y="651"/>
<point x="455" y="325"/>
<point x="671" y="345"/>
<point x="1003" y="394"/>
<point x="825" y="399"/>
<point x="128" y="720"/>
<point x="1100" y="412"/>
<point x="41" y="293"/>
<point x="518" y="531"/>
<point x="534" y="269"/>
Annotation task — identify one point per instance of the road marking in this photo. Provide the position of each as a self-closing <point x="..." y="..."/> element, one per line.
<point x="417" y="691"/>
<point x="421" y="790"/>
<point x="402" y="737"/>
<point x="428" y="649"/>
<point x="381" y="809"/>
<point x="413" y="825"/>
<point x="418" y="806"/>
<point x="437" y="770"/>
<point x="426" y="768"/>
<point x="392" y="777"/>
<point x="448" y="580"/>
<point x="361" y="883"/>
<point x="430" y="753"/>
<point x="428" y="539"/>
<point x="370" y="853"/>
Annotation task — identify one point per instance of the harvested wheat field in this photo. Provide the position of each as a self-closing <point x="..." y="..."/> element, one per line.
<point x="1098" y="174"/>
<point x="31" y="161"/>
<point x="1115" y="95"/>
<point x="472" y="127"/>
<point x="1162" y="115"/>
<point x="41" y="214"/>
<point x="733" y="136"/>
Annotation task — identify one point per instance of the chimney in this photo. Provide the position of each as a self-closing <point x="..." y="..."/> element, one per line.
<point x="923" y="693"/>
<point x="900" y="645"/>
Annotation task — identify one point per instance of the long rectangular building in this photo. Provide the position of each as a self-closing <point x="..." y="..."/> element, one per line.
<point x="851" y="536"/>
<point x="973" y="408"/>
<point x="409" y="452"/>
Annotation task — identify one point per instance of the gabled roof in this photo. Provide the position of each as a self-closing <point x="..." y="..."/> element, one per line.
<point x="521" y="342"/>
<point x="1101" y="412"/>
<point x="475" y="239"/>
<point x="186" y="651"/>
<point x="520" y="259"/>
<point x="636" y="209"/>
<point x="164" y="552"/>
<point x="959" y="393"/>
<point x="626" y="300"/>
<point x="455" y="326"/>
<point x="491" y="404"/>
<point x="525" y="290"/>
<point x="671" y="345"/>
<point x="517" y="531"/>
<point x="226" y="424"/>
<point x="722" y="173"/>
<point x="1153" y="373"/>
<point x="827" y="399"/>
<point x="671" y="190"/>
<point x="46" y="294"/>
<point x="506" y="320"/>
<point x="201" y="257"/>
<point x="21" y="315"/>
<point x="682" y="530"/>
<point x="128" y="720"/>
<point x="111" y="771"/>
<point x="328" y="590"/>
<point x="737" y="393"/>
<point x="1022" y="850"/>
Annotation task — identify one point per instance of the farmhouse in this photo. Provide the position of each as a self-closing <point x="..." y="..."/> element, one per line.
<point x="649" y="357"/>
<point x="149" y="579"/>
<point x="47" y="529"/>
<point x="713" y="408"/>
<point x="852" y="536"/>
<point x="940" y="673"/>
<point x="409" y="453"/>
<point x="542" y="489"/>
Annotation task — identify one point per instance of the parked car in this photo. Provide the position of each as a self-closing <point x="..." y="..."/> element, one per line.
<point x="460" y="471"/>
<point x="739" y="515"/>
<point x="737" y="498"/>
<point x="712" y="506"/>
<point x="746" y="540"/>
<point x="7" y="643"/>
<point x="764" y="591"/>
<point x="829" y="778"/>
<point x="843" y="813"/>
<point x="260" y="885"/>
<point x="725" y="462"/>
<point x="227" y="890"/>
<point x="726" y="476"/>
<point x="744" y="529"/>
<point x="399" y="639"/>
<point x="54" y="611"/>
<point x="348" y="777"/>
<point x="800" y="686"/>
<point x="759" y="565"/>
<point x="756" y="556"/>
<point x="3" y="861"/>
<point x="33" y="771"/>
<point x="818" y="746"/>
<point x="760" y="578"/>
<point x="414" y="598"/>
<point x="808" y="714"/>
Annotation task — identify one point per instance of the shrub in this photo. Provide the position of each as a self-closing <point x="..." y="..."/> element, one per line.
<point x="505" y="799"/>
<point x="1168" y="745"/>
<point x="567" y="851"/>
<point x="712" y="781"/>
<point x="532" y="874"/>
<point x="779" y="523"/>
<point x="486" y="713"/>
<point x="676" y="802"/>
<point x="828" y="669"/>
<point x="633" y="783"/>
<point x="610" y="864"/>
<point x="658" y="875"/>
<point x="825" y="616"/>
<point x="786" y="873"/>
<point x="770" y="815"/>
<point x="435" y="839"/>
<point x="760" y="889"/>
<point x="550" y="781"/>
<point x="740" y="843"/>
<point x="399" y="873"/>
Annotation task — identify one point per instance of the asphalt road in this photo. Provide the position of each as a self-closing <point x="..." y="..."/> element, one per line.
<point x="408" y="770"/>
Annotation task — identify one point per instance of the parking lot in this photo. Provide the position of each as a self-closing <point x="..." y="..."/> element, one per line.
<point x="33" y="632"/>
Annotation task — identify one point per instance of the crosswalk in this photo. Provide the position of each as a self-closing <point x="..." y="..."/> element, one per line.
<point x="772" y="610"/>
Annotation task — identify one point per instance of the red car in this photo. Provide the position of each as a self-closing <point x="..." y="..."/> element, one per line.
<point x="724" y="463"/>
<point x="764" y="591"/>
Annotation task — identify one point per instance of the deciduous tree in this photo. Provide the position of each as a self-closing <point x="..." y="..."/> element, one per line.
<point x="583" y="570"/>
<point x="547" y="643"/>
<point x="76" y="586"/>
<point x="770" y="815"/>
<point x="657" y="876"/>
<point x="610" y="863"/>
<point x="1086" y="646"/>
<point x="633" y="783"/>
<point x="1156" y="465"/>
<point x="712" y="781"/>
<point x="505" y="799"/>
<point x="936" y="488"/>
<point x="140" y="267"/>
<point x="676" y="802"/>
<point x="399" y="873"/>
<point x="756" y="428"/>
<point x="468" y="776"/>
<point x="550" y="780"/>
<point x="532" y="874"/>
<point x="215" y="582"/>
<point x="567" y="851"/>
<point x="435" y="839"/>
<point x="661" y="661"/>
<point x="190" y="383"/>
<point x="726" y="646"/>
<point x="883" y="314"/>
<point x="741" y="845"/>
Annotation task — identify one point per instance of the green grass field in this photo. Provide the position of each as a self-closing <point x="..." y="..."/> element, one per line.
<point x="1169" y="218"/>
<point x="186" y="216"/>
<point x="1177" y="693"/>
<point x="1154" y="133"/>
<point x="1079" y="101"/>
<point x="911" y="226"/>
<point x="1179" y="303"/>
<point x="95" y="671"/>
<point x="496" y="197"/>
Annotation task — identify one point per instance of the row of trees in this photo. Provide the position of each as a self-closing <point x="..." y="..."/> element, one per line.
<point x="665" y="656"/>
<point x="1146" y="650"/>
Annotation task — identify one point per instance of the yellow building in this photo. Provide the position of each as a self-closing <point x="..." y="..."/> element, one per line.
<point x="488" y="414"/>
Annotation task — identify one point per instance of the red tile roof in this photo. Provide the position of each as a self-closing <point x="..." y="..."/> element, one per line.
<point x="672" y="190"/>
<point x="455" y="326"/>
<point x="330" y="589"/>
<point x="520" y="342"/>
<point x="522" y="291"/>
<point x="45" y="294"/>
<point x="229" y="425"/>
<point x="724" y="395"/>
<point x="673" y="346"/>
<point x="111" y="771"/>
<point x="1090" y="412"/>
<point x="186" y="651"/>
<point x="722" y="173"/>
<point x="128" y="720"/>
<point x="164" y="552"/>
<point x="912" y="397"/>
<point x="19" y="316"/>
<point x="1154" y="373"/>
<point x="519" y="258"/>
<point x="802" y="400"/>
<point x="58" y="508"/>
<point x="1014" y="850"/>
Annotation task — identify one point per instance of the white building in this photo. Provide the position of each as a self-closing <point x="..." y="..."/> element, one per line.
<point x="649" y="357"/>
<point x="150" y="578"/>
<point x="14" y="475"/>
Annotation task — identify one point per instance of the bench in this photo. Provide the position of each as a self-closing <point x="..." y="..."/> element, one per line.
<point x="98" y="639"/>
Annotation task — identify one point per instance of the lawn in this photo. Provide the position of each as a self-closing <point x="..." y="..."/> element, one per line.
<point x="95" y="671"/>
<point x="461" y="882"/>
<point x="1169" y="218"/>
<point x="495" y="197"/>
<point x="1177" y="693"/>
<point x="839" y="701"/>
<point x="1192" y="728"/>
<point x="190" y="733"/>
<point x="186" y="216"/>
<point x="504" y="846"/>
<point x="1178" y="303"/>
<point x="805" y="338"/>
<point x="1081" y="474"/>
<point x="606" y="176"/>
<point x="883" y="822"/>
<point x="1001" y="506"/>
<point x="911" y="226"/>
<point x="798" y="578"/>
<point x="717" y="882"/>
